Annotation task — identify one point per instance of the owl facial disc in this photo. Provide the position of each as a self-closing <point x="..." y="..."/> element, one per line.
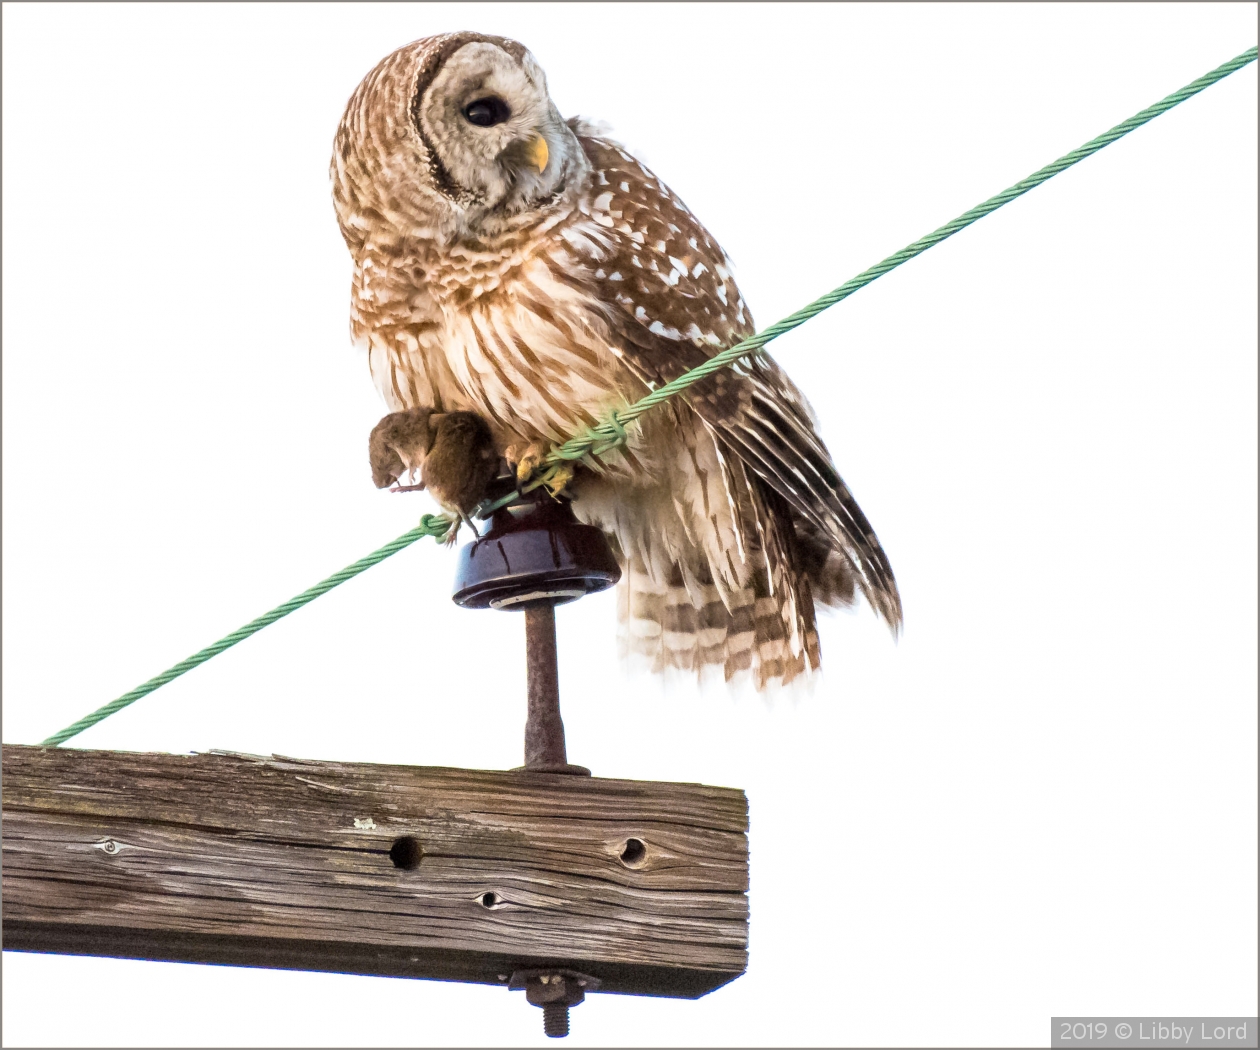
<point x="487" y="119"/>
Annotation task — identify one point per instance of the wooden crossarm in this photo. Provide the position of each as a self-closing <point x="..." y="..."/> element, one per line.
<point x="438" y="873"/>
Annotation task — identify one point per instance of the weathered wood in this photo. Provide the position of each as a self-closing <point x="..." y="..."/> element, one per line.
<point x="287" y="863"/>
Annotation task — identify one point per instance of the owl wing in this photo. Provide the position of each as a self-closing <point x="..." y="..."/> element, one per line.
<point x="678" y="306"/>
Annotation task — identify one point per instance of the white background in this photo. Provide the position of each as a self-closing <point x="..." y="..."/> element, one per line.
<point x="1040" y="801"/>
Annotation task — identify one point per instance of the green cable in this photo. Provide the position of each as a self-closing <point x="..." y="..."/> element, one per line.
<point x="430" y="525"/>
<point x="612" y="433"/>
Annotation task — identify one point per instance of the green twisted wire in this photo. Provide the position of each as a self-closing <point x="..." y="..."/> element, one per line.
<point x="612" y="433"/>
<point x="435" y="525"/>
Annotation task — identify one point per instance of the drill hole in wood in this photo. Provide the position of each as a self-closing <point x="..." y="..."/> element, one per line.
<point x="406" y="853"/>
<point x="633" y="853"/>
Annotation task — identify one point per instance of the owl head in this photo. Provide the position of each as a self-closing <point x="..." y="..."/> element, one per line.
<point x="449" y="137"/>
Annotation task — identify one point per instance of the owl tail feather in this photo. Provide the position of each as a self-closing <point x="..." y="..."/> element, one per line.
<point x="764" y="632"/>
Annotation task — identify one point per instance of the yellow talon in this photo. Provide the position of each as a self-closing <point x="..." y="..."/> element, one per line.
<point x="527" y="460"/>
<point x="559" y="478"/>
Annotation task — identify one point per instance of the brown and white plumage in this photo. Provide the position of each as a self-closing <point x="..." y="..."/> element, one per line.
<point x="542" y="295"/>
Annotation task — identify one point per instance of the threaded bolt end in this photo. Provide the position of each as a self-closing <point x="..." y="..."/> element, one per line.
<point x="556" y="1020"/>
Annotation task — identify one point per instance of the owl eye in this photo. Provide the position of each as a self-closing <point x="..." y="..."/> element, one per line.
<point x="486" y="112"/>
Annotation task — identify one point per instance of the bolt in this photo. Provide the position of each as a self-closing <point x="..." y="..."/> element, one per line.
<point x="556" y="1020"/>
<point x="555" y="991"/>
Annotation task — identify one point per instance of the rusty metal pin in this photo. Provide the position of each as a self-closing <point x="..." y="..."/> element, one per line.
<point x="544" y="728"/>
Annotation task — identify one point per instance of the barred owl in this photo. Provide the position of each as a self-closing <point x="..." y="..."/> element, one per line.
<point x="528" y="269"/>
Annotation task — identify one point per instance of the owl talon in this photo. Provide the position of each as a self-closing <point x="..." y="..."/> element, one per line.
<point x="527" y="460"/>
<point x="559" y="479"/>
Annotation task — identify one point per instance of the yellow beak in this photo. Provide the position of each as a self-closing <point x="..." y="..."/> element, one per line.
<point x="536" y="152"/>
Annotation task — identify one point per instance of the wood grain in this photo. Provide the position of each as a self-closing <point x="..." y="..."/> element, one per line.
<point x="283" y="862"/>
